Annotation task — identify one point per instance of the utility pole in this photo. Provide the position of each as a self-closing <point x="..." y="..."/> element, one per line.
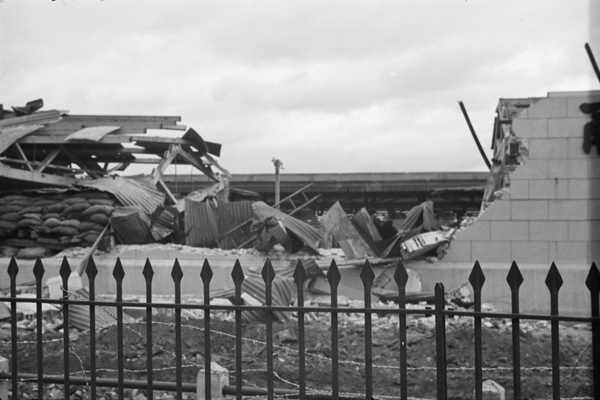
<point x="278" y="165"/>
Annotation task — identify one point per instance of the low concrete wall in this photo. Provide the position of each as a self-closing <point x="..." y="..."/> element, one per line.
<point x="574" y="296"/>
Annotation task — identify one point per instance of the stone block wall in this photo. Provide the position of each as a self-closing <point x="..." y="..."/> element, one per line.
<point x="553" y="210"/>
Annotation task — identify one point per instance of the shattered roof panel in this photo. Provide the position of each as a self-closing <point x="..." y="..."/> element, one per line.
<point x="130" y="192"/>
<point x="9" y="135"/>
<point x="94" y="133"/>
<point x="308" y="234"/>
<point x="41" y="117"/>
<point x="353" y="245"/>
<point x="205" y="222"/>
<point x="200" y="222"/>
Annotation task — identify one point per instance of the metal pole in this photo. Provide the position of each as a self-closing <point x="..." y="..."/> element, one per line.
<point x="464" y="111"/>
<point x="592" y="60"/>
<point x="278" y="165"/>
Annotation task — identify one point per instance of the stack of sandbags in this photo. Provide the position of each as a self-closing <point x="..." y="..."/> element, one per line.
<point x="63" y="219"/>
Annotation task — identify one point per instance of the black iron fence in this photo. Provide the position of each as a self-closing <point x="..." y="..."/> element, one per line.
<point x="441" y="314"/>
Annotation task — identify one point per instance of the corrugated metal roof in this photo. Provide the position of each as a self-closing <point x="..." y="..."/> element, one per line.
<point x="205" y="221"/>
<point x="132" y="228"/>
<point x="336" y="222"/>
<point x="94" y="133"/>
<point x="201" y="223"/>
<point x="10" y="135"/>
<point x="130" y="192"/>
<point x="308" y="234"/>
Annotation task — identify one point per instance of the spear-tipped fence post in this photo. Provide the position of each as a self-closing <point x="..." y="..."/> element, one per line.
<point x="177" y="275"/>
<point x="367" y="276"/>
<point x="554" y="281"/>
<point x="440" y="341"/>
<point x="299" y="278"/>
<point x="148" y="273"/>
<point x="515" y="279"/>
<point x="477" y="279"/>
<point x="334" y="277"/>
<point x="593" y="284"/>
<point x="206" y="274"/>
<point x="238" y="277"/>
<point x="401" y="278"/>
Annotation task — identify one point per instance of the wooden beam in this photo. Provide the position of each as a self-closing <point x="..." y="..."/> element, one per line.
<point x="90" y="167"/>
<point x="164" y="163"/>
<point x="23" y="156"/>
<point x="36" y="177"/>
<point x="198" y="164"/>
<point x="49" y="158"/>
<point x="170" y="196"/>
<point x="60" y="139"/>
<point x="58" y="167"/>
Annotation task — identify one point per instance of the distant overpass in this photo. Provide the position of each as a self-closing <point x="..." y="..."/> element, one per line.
<point x="458" y="193"/>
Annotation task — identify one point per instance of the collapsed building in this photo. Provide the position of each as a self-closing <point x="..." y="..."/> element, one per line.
<point x="62" y="184"/>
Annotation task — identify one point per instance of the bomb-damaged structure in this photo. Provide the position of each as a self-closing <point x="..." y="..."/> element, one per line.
<point x="61" y="187"/>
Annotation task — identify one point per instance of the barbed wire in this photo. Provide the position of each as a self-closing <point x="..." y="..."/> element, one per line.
<point x="190" y="364"/>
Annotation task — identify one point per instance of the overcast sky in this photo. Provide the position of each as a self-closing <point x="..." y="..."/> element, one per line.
<point x="324" y="86"/>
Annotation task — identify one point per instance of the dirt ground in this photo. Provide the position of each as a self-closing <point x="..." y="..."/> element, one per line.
<point x="575" y="354"/>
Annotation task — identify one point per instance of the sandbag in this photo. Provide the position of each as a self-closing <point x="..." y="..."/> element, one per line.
<point x="28" y="222"/>
<point x="90" y="238"/>
<point x="47" y="240"/>
<point x="8" y="208"/>
<point x="50" y="215"/>
<point x="102" y="202"/>
<point x="43" y="202"/>
<point x="31" y="209"/>
<point x="96" y="195"/>
<point x="12" y="216"/>
<point x="8" y="251"/>
<point x="30" y="253"/>
<point x="52" y="222"/>
<point x="86" y="226"/>
<point x="96" y="209"/>
<point x="43" y="229"/>
<point x="64" y="230"/>
<point x="8" y="225"/>
<point x="54" y="208"/>
<point x="33" y="216"/>
<point x="13" y="197"/>
<point x="74" y="200"/>
<point x="74" y="208"/>
<point x="99" y="218"/>
<point x="73" y="223"/>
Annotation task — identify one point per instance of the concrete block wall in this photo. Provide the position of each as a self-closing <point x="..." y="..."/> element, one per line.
<point x="553" y="211"/>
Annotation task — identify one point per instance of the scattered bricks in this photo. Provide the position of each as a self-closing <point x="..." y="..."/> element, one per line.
<point x="5" y="384"/>
<point x="219" y="377"/>
<point x="492" y="391"/>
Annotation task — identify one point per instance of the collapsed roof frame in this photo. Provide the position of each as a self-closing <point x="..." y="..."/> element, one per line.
<point x="53" y="148"/>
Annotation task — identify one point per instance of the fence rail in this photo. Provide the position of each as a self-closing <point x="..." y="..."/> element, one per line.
<point x="441" y="314"/>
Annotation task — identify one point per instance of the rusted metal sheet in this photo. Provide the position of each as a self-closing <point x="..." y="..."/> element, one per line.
<point x="365" y="226"/>
<point x="200" y="222"/>
<point x="231" y="215"/>
<point x="420" y="217"/>
<point x="205" y="221"/>
<point x="282" y="291"/>
<point x="132" y="228"/>
<point x="9" y="135"/>
<point x="94" y="133"/>
<point x="309" y="235"/>
<point x="336" y="222"/>
<point x="130" y="192"/>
